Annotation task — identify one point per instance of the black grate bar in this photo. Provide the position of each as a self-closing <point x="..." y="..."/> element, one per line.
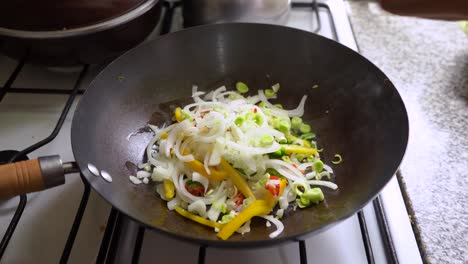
<point x="332" y="21"/>
<point x="114" y="242"/>
<point x="314" y="7"/>
<point x="76" y="223"/>
<point x="365" y="238"/>
<point x="12" y="226"/>
<point x="111" y="222"/>
<point x="390" y="251"/>
<point x="62" y="118"/>
<point x="138" y="245"/>
<point x="12" y="79"/>
<point x="201" y="255"/>
<point x="302" y="252"/>
<point x="167" y="19"/>
<point x="23" y="199"/>
<point x="43" y="91"/>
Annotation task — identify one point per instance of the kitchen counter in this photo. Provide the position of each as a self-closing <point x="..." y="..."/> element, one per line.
<point x="427" y="60"/>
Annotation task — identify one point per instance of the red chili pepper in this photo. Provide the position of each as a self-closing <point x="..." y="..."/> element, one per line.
<point x="273" y="188"/>
<point x="240" y="199"/>
<point x="255" y="110"/>
<point x="195" y="188"/>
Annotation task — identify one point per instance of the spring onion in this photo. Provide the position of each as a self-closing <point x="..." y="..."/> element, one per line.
<point x="242" y="87"/>
<point x="337" y="160"/>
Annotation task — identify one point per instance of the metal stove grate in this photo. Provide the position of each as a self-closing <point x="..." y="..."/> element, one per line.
<point x="111" y="235"/>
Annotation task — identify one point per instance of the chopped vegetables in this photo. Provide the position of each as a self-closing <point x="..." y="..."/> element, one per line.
<point x="257" y="208"/>
<point x="229" y="157"/>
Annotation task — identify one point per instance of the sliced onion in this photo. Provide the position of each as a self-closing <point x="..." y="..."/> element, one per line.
<point x="283" y="202"/>
<point x="190" y="106"/>
<point x="296" y="172"/>
<point x="311" y="175"/>
<point x="198" y="207"/>
<point x="143" y="174"/>
<point x="177" y="151"/>
<point x="304" y="166"/>
<point x="205" y="163"/>
<point x="328" y="184"/>
<point x="217" y="91"/>
<point x="299" y="111"/>
<point x="196" y="94"/>
<point x="254" y="150"/>
<point x="209" y="95"/>
<point x="327" y="168"/>
<point x="263" y="98"/>
<point x="253" y="99"/>
<point x="279" y="225"/>
<point x="172" y="203"/>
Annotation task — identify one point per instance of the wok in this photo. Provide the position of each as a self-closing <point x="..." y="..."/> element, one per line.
<point x="356" y="111"/>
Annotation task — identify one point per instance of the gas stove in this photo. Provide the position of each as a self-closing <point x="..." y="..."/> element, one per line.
<point x="71" y="223"/>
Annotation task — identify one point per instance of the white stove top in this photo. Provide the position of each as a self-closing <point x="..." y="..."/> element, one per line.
<point x="43" y="229"/>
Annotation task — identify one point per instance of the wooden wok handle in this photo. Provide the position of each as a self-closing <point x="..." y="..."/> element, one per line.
<point x="30" y="176"/>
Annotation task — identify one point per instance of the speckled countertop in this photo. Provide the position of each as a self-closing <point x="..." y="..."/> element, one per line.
<point x="427" y="60"/>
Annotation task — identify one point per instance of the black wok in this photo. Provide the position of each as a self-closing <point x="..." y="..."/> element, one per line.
<point x="356" y="111"/>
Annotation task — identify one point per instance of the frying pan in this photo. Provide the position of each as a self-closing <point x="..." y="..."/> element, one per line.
<point x="355" y="111"/>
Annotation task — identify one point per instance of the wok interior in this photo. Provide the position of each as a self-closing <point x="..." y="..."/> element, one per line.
<point x="355" y="112"/>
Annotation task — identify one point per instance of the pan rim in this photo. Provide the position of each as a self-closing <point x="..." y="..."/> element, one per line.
<point x="123" y="18"/>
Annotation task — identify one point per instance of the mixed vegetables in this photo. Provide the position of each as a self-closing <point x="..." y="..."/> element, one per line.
<point x="230" y="157"/>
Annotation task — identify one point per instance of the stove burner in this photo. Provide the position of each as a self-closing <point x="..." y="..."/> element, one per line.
<point x="6" y="155"/>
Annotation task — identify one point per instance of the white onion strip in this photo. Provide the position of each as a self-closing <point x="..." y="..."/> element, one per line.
<point x="279" y="225"/>
<point x="299" y="111"/>
<point x="328" y="184"/>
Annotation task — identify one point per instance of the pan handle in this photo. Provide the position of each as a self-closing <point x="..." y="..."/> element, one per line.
<point x="30" y="176"/>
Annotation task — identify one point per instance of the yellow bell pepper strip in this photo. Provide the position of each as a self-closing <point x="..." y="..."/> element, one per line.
<point x="237" y="179"/>
<point x="200" y="168"/>
<point x="197" y="218"/>
<point x="256" y="208"/>
<point x="169" y="189"/>
<point x="299" y="150"/>
<point x="178" y="114"/>
<point x="293" y="138"/>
